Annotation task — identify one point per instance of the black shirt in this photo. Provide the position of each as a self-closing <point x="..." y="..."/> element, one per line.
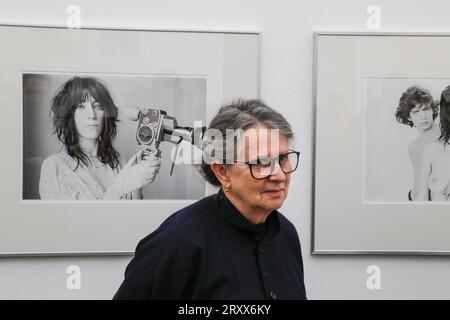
<point x="209" y="250"/>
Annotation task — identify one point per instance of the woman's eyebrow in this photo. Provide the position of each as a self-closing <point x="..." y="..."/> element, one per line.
<point x="269" y="158"/>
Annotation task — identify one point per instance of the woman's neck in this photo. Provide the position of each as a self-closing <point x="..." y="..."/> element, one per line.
<point x="252" y="215"/>
<point x="88" y="146"/>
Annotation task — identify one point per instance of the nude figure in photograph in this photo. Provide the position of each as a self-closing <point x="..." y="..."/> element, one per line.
<point x="418" y="109"/>
<point x="434" y="170"/>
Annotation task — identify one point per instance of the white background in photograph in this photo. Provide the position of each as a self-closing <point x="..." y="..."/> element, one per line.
<point x="388" y="170"/>
<point x="181" y="97"/>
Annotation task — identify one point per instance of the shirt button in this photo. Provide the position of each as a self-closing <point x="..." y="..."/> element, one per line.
<point x="266" y="274"/>
<point x="272" y="295"/>
<point x="260" y="250"/>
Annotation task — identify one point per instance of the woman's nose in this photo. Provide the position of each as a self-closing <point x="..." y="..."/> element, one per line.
<point x="277" y="173"/>
<point x="91" y="112"/>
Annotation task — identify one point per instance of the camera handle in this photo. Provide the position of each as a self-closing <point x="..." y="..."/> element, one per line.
<point x="177" y="145"/>
<point x="153" y="151"/>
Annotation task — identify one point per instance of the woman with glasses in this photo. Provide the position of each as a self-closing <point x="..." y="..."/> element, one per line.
<point x="234" y="244"/>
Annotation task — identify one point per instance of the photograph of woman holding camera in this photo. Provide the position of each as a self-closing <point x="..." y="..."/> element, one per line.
<point x="88" y="166"/>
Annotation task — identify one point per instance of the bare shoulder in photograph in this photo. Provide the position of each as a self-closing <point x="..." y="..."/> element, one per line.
<point x="418" y="110"/>
<point x="434" y="170"/>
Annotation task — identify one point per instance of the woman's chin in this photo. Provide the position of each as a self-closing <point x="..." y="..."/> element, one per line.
<point x="274" y="204"/>
<point x="90" y="136"/>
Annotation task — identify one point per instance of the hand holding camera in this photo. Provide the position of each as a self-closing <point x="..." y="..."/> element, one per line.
<point x="155" y="126"/>
<point x="140" y="170"/>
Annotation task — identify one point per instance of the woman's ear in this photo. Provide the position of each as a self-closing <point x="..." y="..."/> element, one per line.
<point x="222" y="174"/>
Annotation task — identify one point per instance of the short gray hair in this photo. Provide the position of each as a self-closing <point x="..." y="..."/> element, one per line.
<point x="241" y="114"/>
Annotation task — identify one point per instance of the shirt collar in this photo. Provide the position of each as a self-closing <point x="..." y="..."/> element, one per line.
<point x="259" y="232"/>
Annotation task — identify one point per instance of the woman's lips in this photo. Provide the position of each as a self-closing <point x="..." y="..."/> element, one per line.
<point x="275" y="193"/>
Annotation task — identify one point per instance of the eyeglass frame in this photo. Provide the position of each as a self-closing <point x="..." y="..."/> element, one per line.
<point x="272" y="158"/>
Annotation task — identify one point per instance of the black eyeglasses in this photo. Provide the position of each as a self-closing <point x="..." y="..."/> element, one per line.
<point x="264" y="167"/>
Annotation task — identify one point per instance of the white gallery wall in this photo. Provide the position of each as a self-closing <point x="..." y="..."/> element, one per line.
<point x="286" y="84"/>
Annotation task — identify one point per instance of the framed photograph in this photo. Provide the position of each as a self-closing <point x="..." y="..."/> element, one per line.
<point x="83" y="106"/>
<point x="382" y="144"/>
<point x="183" y="97"/>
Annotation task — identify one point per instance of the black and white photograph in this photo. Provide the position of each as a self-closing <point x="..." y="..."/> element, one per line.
<point x="382" y="178"/>
<point x="407" y="145"/>
<point x="103" y="127"/>
<point x="111" y="136"/>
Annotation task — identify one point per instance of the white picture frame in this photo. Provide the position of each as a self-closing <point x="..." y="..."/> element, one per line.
<point x="228" y="60"/>
<point x="345" y="220"/>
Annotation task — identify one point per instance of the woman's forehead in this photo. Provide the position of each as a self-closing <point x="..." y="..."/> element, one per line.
<point x="421" y="106"/>
<point x="263" y="142"/>
<point x="86" y="96"/>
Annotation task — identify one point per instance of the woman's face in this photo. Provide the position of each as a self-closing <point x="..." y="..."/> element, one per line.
<point x="259" y="195"/>
<point x="89" y="118"/>
<point x="422" y="117"/>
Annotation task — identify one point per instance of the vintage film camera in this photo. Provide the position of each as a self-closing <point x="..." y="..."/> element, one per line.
<point x="149" y="129"/>
<point x="155" y="126"/>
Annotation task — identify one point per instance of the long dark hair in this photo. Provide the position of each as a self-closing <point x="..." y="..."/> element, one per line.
<point x="72" y="93"/>
<point x="445" y="116"/>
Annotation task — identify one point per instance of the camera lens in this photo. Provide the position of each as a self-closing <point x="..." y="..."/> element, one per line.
<point x="145" y="134"/>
